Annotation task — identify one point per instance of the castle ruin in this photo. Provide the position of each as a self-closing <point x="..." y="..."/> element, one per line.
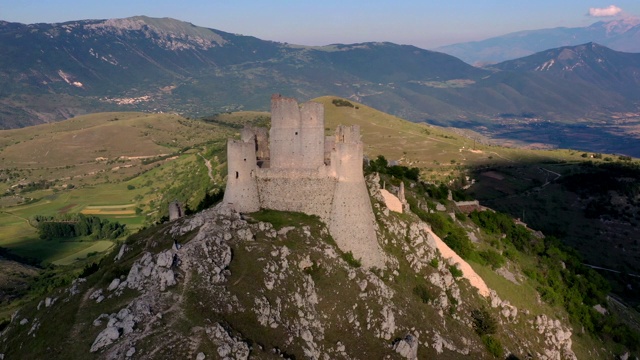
<point x="295" y="167"/>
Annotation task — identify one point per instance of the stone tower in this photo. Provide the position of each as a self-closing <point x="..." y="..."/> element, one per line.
<point x="241" y="190"/>
<point x="175" y="210"/>
<point x="296" y="137"/>
<point x="304" y="171"/>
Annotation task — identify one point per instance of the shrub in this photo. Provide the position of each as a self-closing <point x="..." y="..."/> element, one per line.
<point x="341" y="102"/>
<point x="130" y="187"/>
<point x="422" y="292"/>
<point x="348" y="257"/>
<point x="493" y="345"/>
<point x="493" y="258"/>
<point x="483" y="322"/>
<point x="455" y="271"/>
<point x="4" y="323"/>
<point x="89" y="269"/>
<point x="459" y="242"/>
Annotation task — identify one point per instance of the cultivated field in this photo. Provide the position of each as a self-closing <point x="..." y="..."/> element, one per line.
<point x="117" y="166"/>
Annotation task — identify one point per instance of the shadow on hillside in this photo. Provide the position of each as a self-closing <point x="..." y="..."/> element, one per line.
<point x="603" y="138"/>
<point x="591" y="206"/>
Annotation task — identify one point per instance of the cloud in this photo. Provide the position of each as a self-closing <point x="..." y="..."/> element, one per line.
<point x="611" y="10"/>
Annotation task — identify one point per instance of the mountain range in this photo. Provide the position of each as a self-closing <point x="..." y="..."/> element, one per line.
<point x="620" y="34"/>
<point x="54" y="71"/>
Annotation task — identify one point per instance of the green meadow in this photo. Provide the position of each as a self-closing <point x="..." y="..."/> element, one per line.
<point x="122" y="167"/>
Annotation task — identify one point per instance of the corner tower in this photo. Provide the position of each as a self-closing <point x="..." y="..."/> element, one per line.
<point x="352" y="222"/>
<point x="242" y="190"/>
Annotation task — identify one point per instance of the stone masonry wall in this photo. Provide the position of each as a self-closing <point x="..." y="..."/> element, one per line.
<point x="241" y="190"/>
<point x="296" y="137"/>
<point x="297" y="179"/>
<point x="296" y="190"/>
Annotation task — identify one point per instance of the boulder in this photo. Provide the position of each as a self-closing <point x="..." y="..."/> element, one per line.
<point x="106" y="337"/>
<point x="407" y="347"/>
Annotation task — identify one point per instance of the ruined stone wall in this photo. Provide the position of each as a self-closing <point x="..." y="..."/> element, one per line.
<point x="296" y="137"/>
<point x="352" y="223"/>
<point x="241" y="190"/>
<point x="175" y="210"/>
<point x="296" y="190"/>
<point x="312" y="131"/>
<point x="346" y="158"/>
<point x="329" y="144"/>
<point x="297" y="178"/>
<point x="285" y="128"/>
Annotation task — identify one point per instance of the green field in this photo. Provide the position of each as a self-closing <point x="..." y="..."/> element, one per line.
<point x="122" y="167"/>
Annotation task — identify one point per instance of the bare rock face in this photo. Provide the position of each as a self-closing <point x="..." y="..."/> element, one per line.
<point x="228" y="347"/>
<point x="293" y="291"/>
<point x="557" y="337"/>
<point x="407" y="347"/>
<point x="106" y="337"/>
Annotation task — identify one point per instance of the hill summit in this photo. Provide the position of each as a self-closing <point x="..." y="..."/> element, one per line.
<point x="219" y="284"/>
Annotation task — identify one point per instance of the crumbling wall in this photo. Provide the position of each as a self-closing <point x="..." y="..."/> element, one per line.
<point x="303" y="191"/>
<point x="175" y="210"/>
<point x="312" y="131"/>
<point x="296" y="137"/>
<point x="297" y="179"/>
<point x="284" y="144"/>
<point x="241" y="190"/>
<point x="352" y="223"/>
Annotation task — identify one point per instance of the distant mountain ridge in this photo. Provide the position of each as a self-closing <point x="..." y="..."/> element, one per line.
<point x="620" y="35"/>
<point x="591" y="63"/>
<point x="49" y="72"/>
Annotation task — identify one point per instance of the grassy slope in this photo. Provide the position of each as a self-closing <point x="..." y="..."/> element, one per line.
<point x="70" y="152"/>
<point x="440" y="152"/>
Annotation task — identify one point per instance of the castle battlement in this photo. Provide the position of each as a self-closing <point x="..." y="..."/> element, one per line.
<point x="297" y="168"/>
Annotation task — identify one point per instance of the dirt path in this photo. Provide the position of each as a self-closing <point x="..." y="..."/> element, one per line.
<point x="547" y="182"/>
<point x="208" y="164"/>
<point x="19" y="217"/>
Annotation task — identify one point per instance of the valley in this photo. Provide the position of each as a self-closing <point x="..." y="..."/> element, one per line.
<point x="169" y="66"/>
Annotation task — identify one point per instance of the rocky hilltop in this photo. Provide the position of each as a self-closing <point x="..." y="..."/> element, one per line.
<point x="223" y="285"/>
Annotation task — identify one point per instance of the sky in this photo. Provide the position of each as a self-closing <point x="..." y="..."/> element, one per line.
<point x="426" y="24"/>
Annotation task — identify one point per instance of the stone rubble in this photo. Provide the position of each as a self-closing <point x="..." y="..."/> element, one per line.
<point x="229" y="348"/>
<point x="556" y="336"/>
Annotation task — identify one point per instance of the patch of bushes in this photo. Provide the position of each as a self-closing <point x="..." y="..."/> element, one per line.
<point x="4" y="323"/>
<point x="483" y="322"/>
<point x="492" y="258"/>
<point x="381" y="165"/>
<point x="455" y="272"/>
<point x="89" y="269"/>
<point x="493" y="345"/>
<point x="459" y="242"/>
<point x="75" y="225"/>
<point x="341" y="102"/>
<point x="422" y="292"/>
<point x="352" y="261"/>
